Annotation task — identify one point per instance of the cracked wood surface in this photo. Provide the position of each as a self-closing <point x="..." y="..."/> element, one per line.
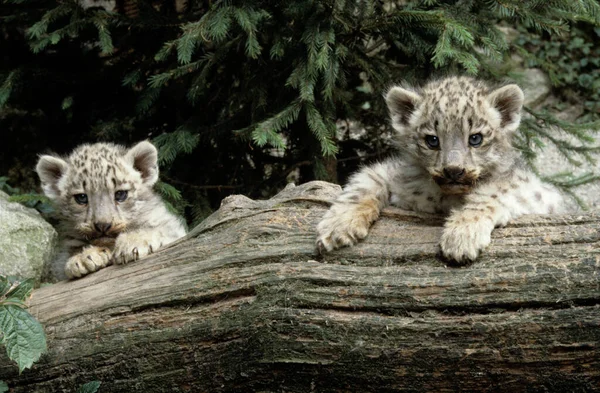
<point x="244" y="304"/>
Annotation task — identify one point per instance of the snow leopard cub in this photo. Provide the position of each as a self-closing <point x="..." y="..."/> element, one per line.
<point x="455" y="158"/>
<point x="108" y="211"/>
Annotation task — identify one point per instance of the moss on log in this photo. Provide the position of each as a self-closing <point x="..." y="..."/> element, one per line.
<point x="244" y="304"/>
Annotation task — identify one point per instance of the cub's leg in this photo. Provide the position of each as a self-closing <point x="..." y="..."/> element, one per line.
<point x="89" y="260"/>
<point x="468" y="230"/>
<point x="358" y="206"/>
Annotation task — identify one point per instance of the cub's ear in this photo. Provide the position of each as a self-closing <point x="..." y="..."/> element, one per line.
<point x="144" y="158"/>
<point x="508" y="101"/>
<point x="51" y="170"/>
<point x="402" y="103"/>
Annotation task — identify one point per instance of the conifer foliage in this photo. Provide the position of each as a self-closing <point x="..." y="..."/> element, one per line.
<point x="239" y="95"/>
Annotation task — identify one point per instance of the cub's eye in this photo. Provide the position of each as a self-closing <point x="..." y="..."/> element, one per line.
<point x="475" y="140"/>
<point x="432" y="141"/>
<point x="81" y="199"/>
<point x="120" y="195"/>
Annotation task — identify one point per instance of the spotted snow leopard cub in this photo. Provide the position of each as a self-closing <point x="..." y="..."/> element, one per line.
<point x="456" y="158"/>
<point x="108" y="210"/>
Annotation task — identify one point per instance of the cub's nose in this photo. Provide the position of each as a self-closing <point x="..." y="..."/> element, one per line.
<point x="454" y="173"/>
<point x="102" y="227"/>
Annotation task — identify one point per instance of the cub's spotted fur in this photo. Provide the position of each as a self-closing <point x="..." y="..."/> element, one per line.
<point x="108" y="210"/>
<point x="456" y="158"/>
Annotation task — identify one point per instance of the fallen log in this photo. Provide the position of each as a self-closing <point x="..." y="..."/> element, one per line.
<point x="244" y="304"/>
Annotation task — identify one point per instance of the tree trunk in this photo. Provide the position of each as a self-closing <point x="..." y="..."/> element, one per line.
<point x="243" y="304"/>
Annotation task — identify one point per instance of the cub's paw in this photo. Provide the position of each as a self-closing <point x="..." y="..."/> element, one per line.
<point x="463" y="243"/>
<point x="343" y="227"/>
<point x="132" y="246"/>
<point x="87" y="261"/>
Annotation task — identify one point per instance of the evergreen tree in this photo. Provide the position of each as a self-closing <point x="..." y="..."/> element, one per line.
<point x="239" y="95"/>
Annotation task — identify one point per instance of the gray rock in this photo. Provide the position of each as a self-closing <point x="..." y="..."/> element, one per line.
<point x="27" y="241"/>
<point x="536" y="86"/>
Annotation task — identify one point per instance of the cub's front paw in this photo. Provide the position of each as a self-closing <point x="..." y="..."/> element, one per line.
<point x="87" y="261"/>
<point x="343" y="227"/>
<point x="132" y="246"/>
<point x="463" y="243"/>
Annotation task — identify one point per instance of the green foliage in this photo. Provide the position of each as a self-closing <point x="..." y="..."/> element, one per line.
<point x="572" y="61"/>
<point x="34" y="200"/>
<point x="3" y="387"/>
<point x="90" y="387"/>
<point x="533" y="130"/>
<point x="175" y="143"/>
<point x="20" y="333"/>
<point x="172" y="197"/>
<point x="29" y="199"/>
<point x="536" y="129"/>
<point x="42" y="37"/>
<point x="4" y="186"/>
<point x="240" y="94"/>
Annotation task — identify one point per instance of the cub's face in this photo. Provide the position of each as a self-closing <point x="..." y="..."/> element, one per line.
<point x="457" y="129"/>
<point x="100" y="189"/>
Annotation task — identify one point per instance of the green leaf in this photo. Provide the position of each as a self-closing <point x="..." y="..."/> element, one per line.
<point x="5" y="285"/>
<point x="131" y="78"/>
<point x="159" y="80"/>
<point x="186" y="45"/>
<point x="217" y="23"/>
<point x="105" y="39"/>
<point x="147" y="99"/>
<point x="277" y="50"/>
<point x="54" y="38"/>
<point x="165" y="51"/>
<point x="248" y="20"/>
<point x="67" y="103"/>
<point x="22" y="335"/>
<point x="37" y="201"/>
<point x="253" y="48"/>
<point x="267" y="131"/>
<point x="3" y="387"/>
<point x="90" y="387"/>
<point x="41" y="27"/>
<point x="244" y="19"/>
<point x="263" y="135"/>
<point x="171" y="144"/>
<point x="22" y="290"/>
<point x="168" y="191"/>
<point x="460" y="33"/>
<point x="322" y="129"/>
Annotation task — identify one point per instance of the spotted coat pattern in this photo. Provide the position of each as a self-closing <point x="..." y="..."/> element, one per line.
<point x="455" y="158"/>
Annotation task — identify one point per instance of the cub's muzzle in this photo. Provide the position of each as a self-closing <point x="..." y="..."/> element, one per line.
<point x="454" y="180"/>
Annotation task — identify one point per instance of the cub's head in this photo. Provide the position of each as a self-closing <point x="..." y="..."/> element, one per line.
<point x="100" y="189"/>
<point x="457" y="128"/>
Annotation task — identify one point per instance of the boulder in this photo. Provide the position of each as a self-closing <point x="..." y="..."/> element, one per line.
<point x="27" y="241"/>
<point x="536" y="86"/>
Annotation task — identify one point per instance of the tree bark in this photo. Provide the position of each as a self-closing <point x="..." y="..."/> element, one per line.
<point x="244" y="304"/>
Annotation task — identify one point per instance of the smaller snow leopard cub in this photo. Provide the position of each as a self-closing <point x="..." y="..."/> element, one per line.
<point x="108" y="211"/>
<point x="456" y="159"/>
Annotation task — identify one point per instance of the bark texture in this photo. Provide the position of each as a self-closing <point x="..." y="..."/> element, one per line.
<point x="244" y="304"/>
